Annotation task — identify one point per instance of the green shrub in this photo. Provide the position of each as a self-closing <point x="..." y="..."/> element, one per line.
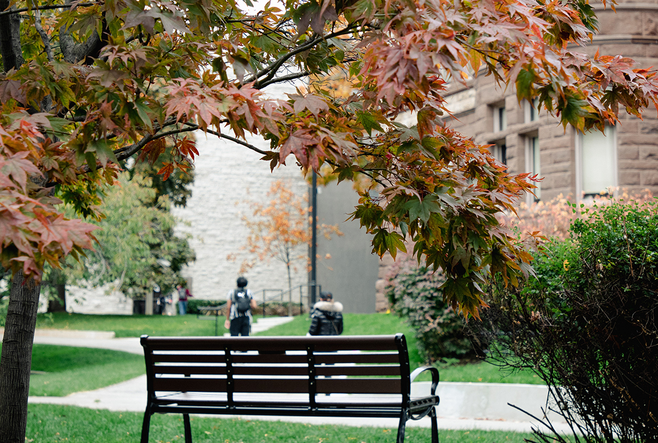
<point x="274" y="308"/>
<point x="587" y="323"/>
<point x="414" y="293"/>
<point x="193" y="304"/>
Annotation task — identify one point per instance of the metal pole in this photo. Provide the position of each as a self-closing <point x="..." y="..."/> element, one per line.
<point x="314" y="240"/>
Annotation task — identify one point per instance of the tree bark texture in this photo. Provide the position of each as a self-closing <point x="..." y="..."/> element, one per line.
<point x="16" y="358"/>
<point x="10" y="40"/>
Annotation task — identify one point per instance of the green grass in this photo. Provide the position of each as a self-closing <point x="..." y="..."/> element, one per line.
<point x="133" y="325"/>
<point x="55" y="423"/>
<point x="58" y="371"/>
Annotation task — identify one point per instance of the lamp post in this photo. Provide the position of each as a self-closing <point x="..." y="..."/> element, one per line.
<point x="313" y="248"/>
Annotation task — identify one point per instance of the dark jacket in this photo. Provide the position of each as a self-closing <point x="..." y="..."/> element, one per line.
<point x="327" y="318"/>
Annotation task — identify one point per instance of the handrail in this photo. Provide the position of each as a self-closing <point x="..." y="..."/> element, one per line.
<point x="280" y="294"/>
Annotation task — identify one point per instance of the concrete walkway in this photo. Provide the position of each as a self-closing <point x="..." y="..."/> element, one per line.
<point x="463" y="405"/>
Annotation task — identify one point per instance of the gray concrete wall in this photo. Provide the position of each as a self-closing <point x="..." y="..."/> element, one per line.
<point x="352" y="271"/>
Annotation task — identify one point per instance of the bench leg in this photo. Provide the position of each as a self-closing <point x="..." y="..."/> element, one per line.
<point x="188" y="428"/>
<point x="145" y="426"/>
<point x="435" y="426"/>
<point x="401" y="426"/>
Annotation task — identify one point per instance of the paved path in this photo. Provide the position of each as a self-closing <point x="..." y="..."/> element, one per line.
<point x="463" y="405"/>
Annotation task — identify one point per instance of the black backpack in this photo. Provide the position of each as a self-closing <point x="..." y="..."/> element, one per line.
<point x="242" y="304"/>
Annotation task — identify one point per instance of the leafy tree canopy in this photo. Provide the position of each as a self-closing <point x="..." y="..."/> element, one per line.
<point x="136" y="248"/>
<point x="87" y="85"/>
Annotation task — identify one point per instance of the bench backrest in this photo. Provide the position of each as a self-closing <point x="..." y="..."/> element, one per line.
<point x="284" y="365"/>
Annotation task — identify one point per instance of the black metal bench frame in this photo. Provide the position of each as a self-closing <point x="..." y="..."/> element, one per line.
<point x="285" y="376"/>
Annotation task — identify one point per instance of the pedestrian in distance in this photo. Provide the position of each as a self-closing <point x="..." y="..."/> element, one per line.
<point x="183" y="296"/>
<point x="239" y="304"/>
<point x="327" y="316"/>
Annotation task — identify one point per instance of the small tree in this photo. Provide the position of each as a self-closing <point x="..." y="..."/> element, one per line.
<point x="136" y="247"/>
<point x="280" y="229"/>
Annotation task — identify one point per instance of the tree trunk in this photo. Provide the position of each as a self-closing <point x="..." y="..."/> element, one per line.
<point x="16" y="358"/>
<point x="58" y="304"/>
<point x="10" y="40"/>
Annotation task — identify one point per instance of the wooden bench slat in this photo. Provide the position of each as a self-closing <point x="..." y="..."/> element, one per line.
<point x="356" y="370"/>
<point x="359" y="386"/>
<point x="332" y="343"/>
<point x="187" y="369"/>
<point x="366" y="357"/>
<point x="188" y="358"/>
<point x="278" y="370"/>
<point x="329" y="358"/>
<point x="189" y="384"/>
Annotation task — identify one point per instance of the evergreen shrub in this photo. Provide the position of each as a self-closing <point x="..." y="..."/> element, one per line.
<point x="414" y="294"/>
<point x="587" y="324"/>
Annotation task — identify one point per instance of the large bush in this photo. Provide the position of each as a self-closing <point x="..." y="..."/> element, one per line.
<point x="414" y="293"/>
<point x="587" y="323"/>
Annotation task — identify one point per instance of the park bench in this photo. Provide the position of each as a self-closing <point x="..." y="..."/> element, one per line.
<point x="320" y="376"/>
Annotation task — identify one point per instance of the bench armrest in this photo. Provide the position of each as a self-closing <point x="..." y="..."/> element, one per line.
<point x="422" y="406"/>
<point x="435" y="377"/>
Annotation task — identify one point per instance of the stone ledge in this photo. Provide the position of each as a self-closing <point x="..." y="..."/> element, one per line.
<point x="70" y="333"/>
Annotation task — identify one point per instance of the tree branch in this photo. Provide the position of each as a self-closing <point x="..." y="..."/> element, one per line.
<point x="228" y="137"/>
<point x="284" y="79"/>
<point x="43" y="8"/>
<point x="44" y="36"/>
<point x="75" y="52"/>
<point x="273" y="68"/>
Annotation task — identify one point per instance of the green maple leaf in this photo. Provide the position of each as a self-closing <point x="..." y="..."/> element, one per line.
<point x="369" y="122"/>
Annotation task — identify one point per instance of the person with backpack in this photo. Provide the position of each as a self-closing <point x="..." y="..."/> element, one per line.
<point x="239" y="304"/>
<point x="327" y="316"/>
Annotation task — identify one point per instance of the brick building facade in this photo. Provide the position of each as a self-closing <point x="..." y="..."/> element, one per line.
<point x="571" y="163"/>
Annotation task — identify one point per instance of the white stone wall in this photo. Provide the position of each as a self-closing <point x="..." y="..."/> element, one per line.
<point x="101" y="300"/>
<point x="227" y="177"/>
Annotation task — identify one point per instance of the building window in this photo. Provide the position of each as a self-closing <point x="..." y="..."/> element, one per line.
<point x="597" y="162"/>
<point x="534" y="164"/>
<point x="500" y="118"/>
<point x="532" y="110"/>
<point x="499" y="151"/>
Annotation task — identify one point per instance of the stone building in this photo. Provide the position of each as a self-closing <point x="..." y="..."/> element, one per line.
<point x="571" y="163"/>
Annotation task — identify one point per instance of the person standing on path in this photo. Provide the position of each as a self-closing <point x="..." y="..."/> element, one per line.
<point x="327" y="316"/>
<point x="239" y="304"/>
<point x="183" y="295"/>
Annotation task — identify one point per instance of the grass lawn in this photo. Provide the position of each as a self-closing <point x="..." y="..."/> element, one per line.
<point x="55" y="423"/>
<point x="133" y="325"/>
<point x="58" y="371"/>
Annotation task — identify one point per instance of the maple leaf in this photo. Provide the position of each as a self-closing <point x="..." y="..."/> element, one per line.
<point x="313" y="103"/>
<point x="298" y="143"/>
<point x="19" y="168"/>
<point x="166" y="170"/>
